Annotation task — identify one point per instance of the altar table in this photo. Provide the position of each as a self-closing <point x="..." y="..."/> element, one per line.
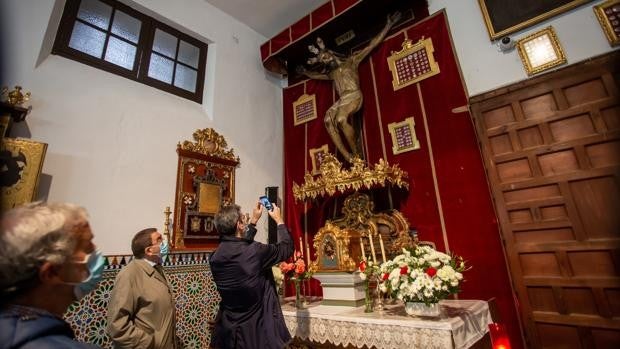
<point x="460" y="324"/>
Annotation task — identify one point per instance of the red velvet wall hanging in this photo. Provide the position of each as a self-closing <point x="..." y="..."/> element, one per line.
<point x="448" y="200"/>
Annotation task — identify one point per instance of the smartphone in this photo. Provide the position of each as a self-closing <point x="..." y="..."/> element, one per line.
<point x="265" y="201"/>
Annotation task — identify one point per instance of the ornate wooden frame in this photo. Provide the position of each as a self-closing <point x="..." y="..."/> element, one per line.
<point x="532" y="69"/>
<point x="207" y="159"/>
<point x="406" y="59"/>
<point x="603" y="11"/>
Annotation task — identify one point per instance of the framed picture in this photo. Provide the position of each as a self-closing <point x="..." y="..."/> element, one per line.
<point x="403" y="136"/>
<point x="415" y="62"/>
<point x="317" y="155"/>
<point x="540" y="51"/>
<point x="503" y="17"/>
<point x="304" y="109"/>
<point x="608" y="14"/>
<point x="21" y="161"/>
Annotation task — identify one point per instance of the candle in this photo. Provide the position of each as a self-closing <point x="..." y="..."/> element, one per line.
<point x="362" y="246"/>
<point x="382" y="248"/>
<point x="372" y="249"/>
<point x="301" y="247"/>
<point x="307" y="254"/>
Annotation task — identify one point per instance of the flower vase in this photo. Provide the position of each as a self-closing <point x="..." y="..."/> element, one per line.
<point x="298" y="303"/>
<point x="368" y="298"/>
<point x="421" y="309"/>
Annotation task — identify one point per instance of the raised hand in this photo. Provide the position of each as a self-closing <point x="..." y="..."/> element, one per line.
<point x="257" y="211"/>
<point x="276" y="214"/>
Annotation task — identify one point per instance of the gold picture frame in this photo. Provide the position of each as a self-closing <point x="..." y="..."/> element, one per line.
<point x="403" y="135"/>
<point x="608" y="15"/>
<point x="22" y="161"/>
<point x="514" y="17"/>
<point x="317" y="155"/>
<point x="413" y="63"/>
<point x="541" y="51"/>
<point x="304" y="109"/>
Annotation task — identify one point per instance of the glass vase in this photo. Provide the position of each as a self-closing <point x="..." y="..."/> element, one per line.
<point x="421" y="309"/>
<point x="298" y="302"/>
<point x="368" y="297"/>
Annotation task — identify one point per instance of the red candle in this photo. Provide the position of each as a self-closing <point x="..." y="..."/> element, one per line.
<point x="499" y="337"/>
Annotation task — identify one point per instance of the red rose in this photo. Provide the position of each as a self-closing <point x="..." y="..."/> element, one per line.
<point x="385" y="276"/>
<point x="404" y="270"/>
<point x="362" y="266"/>
<point x="431" y="271"/>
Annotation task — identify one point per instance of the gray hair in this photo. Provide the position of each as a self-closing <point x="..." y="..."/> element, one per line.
<point x="226" y="220"/>
<point x="31" y="235"/>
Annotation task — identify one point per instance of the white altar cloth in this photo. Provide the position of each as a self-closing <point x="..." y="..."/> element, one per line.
<point x="460" y="325"/>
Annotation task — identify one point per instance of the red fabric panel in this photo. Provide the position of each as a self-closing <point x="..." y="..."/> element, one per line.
<point x="322" y="14"/>
<point x="264" y="50"/>
<point x="341" y="5"/>
<point x="470" y="222"/>
<point x="300" y="28"/>
<point x="280" y="40"/>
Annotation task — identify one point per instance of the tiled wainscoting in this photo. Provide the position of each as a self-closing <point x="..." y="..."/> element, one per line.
<point x="197" y="301"/>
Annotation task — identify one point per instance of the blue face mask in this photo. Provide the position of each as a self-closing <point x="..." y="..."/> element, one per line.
<point x="164" y="249"/>
<point x="95" y="262"/>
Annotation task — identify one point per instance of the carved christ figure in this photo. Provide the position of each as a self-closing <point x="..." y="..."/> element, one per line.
<point x="343" y="71"/>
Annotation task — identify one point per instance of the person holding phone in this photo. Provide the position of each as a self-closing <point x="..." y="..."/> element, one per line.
<point x="250" y="315"/>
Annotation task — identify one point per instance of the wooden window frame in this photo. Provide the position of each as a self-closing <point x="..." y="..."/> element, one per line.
<point x="144" y="48"/>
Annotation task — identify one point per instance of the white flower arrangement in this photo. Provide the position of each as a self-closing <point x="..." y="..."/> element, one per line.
<point x="422" y="274"/>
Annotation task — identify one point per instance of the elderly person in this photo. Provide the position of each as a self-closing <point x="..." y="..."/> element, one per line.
<point x="250" y="315"/>
<point x="47" y="261"/>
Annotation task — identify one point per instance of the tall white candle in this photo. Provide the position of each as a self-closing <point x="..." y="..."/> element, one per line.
<point x="382" y="248"/>
<point x="362" y="246"/>
<point x="372" y="249"/>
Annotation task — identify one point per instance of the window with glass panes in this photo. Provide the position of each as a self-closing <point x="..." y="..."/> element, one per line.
<point x="118" y="39"/>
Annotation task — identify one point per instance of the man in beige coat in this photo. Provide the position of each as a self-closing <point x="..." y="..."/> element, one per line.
<point x="141" y="313"/>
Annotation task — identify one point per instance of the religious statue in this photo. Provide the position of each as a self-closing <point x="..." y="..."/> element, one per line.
<point x="343" y="71"/>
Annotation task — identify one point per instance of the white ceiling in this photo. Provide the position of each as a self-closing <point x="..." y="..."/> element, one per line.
<point x="267" y="17"/>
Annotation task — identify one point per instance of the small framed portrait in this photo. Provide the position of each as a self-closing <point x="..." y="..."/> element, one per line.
<point x="541" y="51"/>
<point x="608" y="14"/>
<point x="304" y="109"/>
<point x="403" y="136"/>
<point x="317" y="155"/>
<point x="21" y="161"/>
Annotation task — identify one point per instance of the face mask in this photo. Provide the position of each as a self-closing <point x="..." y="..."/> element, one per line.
<point x="95" y="263"/>
<point x="164" y="249"/>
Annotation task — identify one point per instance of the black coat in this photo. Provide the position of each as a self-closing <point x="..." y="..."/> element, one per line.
<point x="250" y="315"/>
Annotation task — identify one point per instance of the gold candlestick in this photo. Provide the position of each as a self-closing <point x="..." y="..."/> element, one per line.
<point x="167" y="213"/>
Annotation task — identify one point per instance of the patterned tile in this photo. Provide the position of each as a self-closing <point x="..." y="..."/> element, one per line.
<point x="197" y="301"/>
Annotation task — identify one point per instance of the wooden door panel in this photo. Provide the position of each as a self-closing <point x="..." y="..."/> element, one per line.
<point x="551" y="147"/>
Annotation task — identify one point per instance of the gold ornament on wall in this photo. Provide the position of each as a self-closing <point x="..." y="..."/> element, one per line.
<point x="15" y="97"/>
<point x="540" y="51"/>
<point x="209" y="142"/>
<point x="304" y="109"/>
<point x="333" y="178"/>
<point x="608" y="14"/>
<point x="414" y="63"/>
<point x="403" y="134"/>
<point x="22" y="161"/>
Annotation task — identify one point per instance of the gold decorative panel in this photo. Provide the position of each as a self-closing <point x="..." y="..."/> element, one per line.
<point x="304" y="109"/>
<point x="540" y="51"/>
<point x="413" y="63"/>
<point x="21" y="164"/>
<point x="403" y="134"/>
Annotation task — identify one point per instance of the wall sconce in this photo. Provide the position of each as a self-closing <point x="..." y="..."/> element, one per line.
<point x="540" y="51"/>
<point x="608" y="14"/>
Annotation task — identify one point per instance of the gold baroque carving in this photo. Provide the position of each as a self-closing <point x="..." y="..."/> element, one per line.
<point x="208" y="142"/>
<point x="342" y="261"/>
<point x="333" y="178"/>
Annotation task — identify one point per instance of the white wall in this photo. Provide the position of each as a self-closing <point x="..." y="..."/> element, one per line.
<point x="112" y="141"/>
<point x="484" y="68"/>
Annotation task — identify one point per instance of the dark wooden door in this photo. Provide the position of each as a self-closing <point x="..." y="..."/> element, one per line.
<point x="551" y="146"/>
